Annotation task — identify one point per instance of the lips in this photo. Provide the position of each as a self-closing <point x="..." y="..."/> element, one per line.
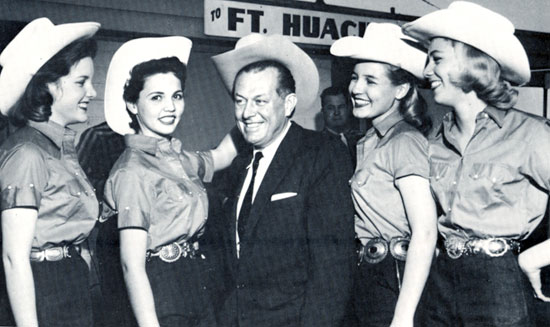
<point x="435" y="83"/>
<point x="252" y="125"/>
<point x="360" y="102"/>
<point x="83" y="105"/>
<point x="168" y="120"/>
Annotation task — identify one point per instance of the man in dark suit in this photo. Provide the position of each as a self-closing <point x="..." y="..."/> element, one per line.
<point x="336" y="108"/>
<point x="288" y="225"/>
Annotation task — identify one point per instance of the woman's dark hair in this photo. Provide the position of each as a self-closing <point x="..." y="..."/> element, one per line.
<point x="142" y="71"/>
<point x="412" y="106"/>
<point x="480" y="73"/>
<point x="35" y="103"/>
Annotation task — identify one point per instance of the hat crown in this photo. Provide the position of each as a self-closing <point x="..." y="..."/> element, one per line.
<point x="249" y="39"/>
<point x="476" y="13"/>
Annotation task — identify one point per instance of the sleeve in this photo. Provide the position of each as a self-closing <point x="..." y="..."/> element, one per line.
<point x="537" y="166"/>
<point x="202" y="164"/>
<point x="131" y="197"/>
<point x="409" y="156"/>
<point x="23" y="177"/>
<point x="330" y="238"/>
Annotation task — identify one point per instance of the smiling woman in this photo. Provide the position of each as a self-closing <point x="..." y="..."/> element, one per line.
<point x="48" y="206"/>
<point x="156" y="187"/>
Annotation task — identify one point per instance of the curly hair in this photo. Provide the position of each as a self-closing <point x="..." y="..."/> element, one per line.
<point x="412" y="106"/>
<point x="142" y="71"/>
<point x="480" y="73"/>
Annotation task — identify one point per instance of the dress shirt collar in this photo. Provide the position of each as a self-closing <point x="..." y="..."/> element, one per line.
<point x="152" y="145"/>
<point x="270" y="150"/>
<point x="55" y="132"/>
<point x="382" y="127"/>
<point x="497" y="115"/>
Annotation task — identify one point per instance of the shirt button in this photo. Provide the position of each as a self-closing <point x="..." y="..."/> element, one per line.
<point x="31" y="185"/>
<point x="9" y="187"/>
<point x="78" y="193"/>
<point x="449" y="209"/>
<point x="76" y="174"/>
<point x="494" y="180"/>
<point x="180" y="197"/>
<point x="127" y="208"/>
<point x="454" y="182"/>
<point x="476" y="176"/>
<point x="190" y="193"/>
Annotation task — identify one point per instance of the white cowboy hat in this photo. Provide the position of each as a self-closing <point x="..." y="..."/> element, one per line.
<point x="256" y="47"/>
<point x="383" y="42"/>
<point x="130" y="54"/>
<point x="35" y="44"/>
<point x="481" y="28"/>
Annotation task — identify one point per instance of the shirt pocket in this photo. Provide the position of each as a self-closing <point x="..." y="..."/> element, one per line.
<point x="440" y="178"/>
<point x="494" y="183"/>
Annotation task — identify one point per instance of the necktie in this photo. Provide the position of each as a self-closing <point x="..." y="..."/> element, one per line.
<point x="247" y="202"/>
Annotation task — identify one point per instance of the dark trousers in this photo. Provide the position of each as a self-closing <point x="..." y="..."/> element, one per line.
<point x="476" y="291"/>
<point x="376" y="289"/>
<point x="62" y="292"/>
<point x="181" y="292"/>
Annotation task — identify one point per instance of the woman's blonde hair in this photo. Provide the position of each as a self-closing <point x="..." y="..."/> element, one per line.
<point x="480" y="73"/>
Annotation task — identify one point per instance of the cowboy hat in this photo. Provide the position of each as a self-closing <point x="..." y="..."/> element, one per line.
<point x="256" y="47"/>
<point x="383" y="42"/>
<point x="481" y="28"/>
<point x="35" y="44"/>
<point x="130" y="54"/>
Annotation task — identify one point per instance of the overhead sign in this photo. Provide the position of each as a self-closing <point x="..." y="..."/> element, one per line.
<point x="237" y="19"/>
<point x="529" y="15"/>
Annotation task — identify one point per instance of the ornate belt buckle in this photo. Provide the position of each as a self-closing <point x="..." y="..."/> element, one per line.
<point x="455" y="247"/>
<point x="376" y="250"/>
<point x="496" y="247"/>
<point x="399" y="247"/>
<point x="54" y="254"/>
<point x="170" y="252"/>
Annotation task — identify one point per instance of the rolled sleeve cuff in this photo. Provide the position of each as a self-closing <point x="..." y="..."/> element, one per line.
<point x="14" y="196"/>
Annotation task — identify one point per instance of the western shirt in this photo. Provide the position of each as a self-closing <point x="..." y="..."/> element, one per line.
<point x="39" y="169"/>
<point x="498" y="185"/>
<point x="392" y="149"/>
<point x="156" y="186"/>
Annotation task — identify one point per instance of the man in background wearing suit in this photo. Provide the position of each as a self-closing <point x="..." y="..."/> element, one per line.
<point x="288" y="225"/>
<point x="336" y="108"/>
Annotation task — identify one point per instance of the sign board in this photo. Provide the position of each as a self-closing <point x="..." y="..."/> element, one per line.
<point x="531" y="15"/>
<point x="237" y="19"/>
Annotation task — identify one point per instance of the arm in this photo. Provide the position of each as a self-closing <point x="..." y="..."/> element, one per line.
<point x="421" y="213"/>
<point x="133" y="246"/>
<point x="225" y="152"/>
<point x="329" y="214"/>
<point x="17" y="233"/>
<point x="531" y="262"/>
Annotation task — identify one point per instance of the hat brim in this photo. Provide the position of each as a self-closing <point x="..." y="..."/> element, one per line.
<point x="276" y="48"/>
<point x="31" y="48"/>
<point x="503" y="47"/>
<point x="124" y="60"/>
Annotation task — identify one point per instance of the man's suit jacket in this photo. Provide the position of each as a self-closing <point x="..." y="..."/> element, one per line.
<point x="297" y="254"/>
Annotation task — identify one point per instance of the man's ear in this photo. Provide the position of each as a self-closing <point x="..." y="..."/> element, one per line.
<point x="402" y="90"/>
<point x="290" y="103"/>
<point x="132" y="107"/>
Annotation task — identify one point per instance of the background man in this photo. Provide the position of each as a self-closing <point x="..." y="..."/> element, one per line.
<point x="337" y="113"/>
<point x="288" y="226"/>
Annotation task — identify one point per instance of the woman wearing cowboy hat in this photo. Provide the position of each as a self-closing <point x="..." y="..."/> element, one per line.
<point x="390" y="188"/>
<point x="488" y="168"/>
<point x="156" y="186"/>
<point x="48" y="205"/>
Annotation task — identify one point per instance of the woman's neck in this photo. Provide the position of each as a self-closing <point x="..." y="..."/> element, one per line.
<point x="466" y="112"/>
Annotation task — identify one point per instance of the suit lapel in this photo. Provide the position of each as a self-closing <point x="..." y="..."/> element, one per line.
<point x="240" y="168"/>
<point x="282" y="161"/>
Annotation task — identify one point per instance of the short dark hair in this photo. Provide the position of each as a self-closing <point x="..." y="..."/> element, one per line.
<point x="335" y="91"/>
<point x="142" y="71"/>
<point x="35" y="103"/>
<point x="285" y="82"/>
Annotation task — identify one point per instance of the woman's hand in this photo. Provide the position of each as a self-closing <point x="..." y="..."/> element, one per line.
<point x="531" y="262"/>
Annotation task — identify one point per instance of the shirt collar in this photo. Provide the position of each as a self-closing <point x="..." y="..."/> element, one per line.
<point x="382" y="127"/>
<point x="497" y="115"/>
<point x="55" y="132"/>
<point x="152" y="145"/>
<point x="270" y="150"/>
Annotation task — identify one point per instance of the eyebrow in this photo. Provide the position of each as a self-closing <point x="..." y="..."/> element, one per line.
<point x="433" y="51"/>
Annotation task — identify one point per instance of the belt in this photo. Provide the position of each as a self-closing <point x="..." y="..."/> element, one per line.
<point x="492" y="247"/>
<point x="55" y="253"/>
<point x="173" y="251"/>
<point x="377" y="249"/>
